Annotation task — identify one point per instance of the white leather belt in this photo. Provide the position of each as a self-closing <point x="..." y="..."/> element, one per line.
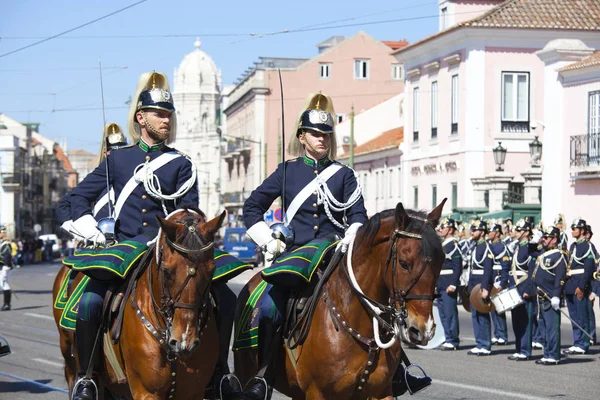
<point x="577" y="271"/>
<point x="518" y="273"/>
<point x="477" y="272"/>
<point x="497" y="268"/>
<point x="446" y="272"/>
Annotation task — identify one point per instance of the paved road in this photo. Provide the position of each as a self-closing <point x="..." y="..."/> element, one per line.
<point x="34" y="370"/>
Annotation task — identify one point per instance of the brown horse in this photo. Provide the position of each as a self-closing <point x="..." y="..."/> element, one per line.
<point x="396" y="260"/>
<point x="169" y="343"/>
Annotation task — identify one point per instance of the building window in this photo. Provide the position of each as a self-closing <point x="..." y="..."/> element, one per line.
<point x="454" y="195"/>
<point x="454" y="106"/>
<point x="444" y="18"/>
<point x="390" y="180"/>
<point x="416" y="114"/>
<point x="515" y="102"/>
<point x="361" y="69"/>
<point x="486" y="198"/>
<point x="433" y="196"/>
<point x="399" y="181"/>
<point x="415" y="197"/>
<point x="434" y="109"/>
<point x="397" y="74"/>
<point x="324" y="70"/>
<point x="593" y="139"/>
<point x="341" y="118"/>
<point x="364" y="185"/>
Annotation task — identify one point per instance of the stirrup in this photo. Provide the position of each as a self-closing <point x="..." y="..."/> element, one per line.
<point x="408" y="367"/>
<point x="228" y="377"/>
<point x="78" y="382"/>
<point x="264" y="381"/>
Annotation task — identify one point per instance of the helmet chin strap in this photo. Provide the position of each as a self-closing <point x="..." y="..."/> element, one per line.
<point x="313" y="150"/>
<point x="152" y="130"/>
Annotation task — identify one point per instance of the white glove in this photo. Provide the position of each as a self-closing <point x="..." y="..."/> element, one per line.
<point x="262" y="235"/>
<point x="555" y="302"/>
<point x="68" y="226"/>
<point x="349" y="237"/>
<point x="274" y="248"/>
<point x="87" y="228"/>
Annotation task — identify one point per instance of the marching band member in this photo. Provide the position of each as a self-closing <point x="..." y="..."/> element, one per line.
<point x="595" y="286"/>
<point x="578" y="286"/>
<point x="501" y="269"/>
<point x="521" y="269"/>
<point x="481" y="262"/>
<point x="448" y="282"/>
<point x="564" y="239"/>
<point x="549" y="277"/>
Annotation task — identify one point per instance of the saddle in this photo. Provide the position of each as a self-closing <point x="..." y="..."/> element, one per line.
<point x="302" y="304"/>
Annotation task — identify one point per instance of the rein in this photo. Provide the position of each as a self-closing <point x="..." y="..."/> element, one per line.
<point x="164" y="312"/>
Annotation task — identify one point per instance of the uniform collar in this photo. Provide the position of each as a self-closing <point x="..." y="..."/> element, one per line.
<point x="480" y="241"/>
<point x="581" y="240"/>
<point x="321" y="163"/>
<point x="150" y="148"/>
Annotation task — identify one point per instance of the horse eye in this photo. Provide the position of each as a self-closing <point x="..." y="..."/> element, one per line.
<point x="404" y="265"/>
<point x="167" y="273"/>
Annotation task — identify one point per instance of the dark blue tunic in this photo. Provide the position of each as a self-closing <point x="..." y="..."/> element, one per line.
<point x="550" y="272"/>
<point x="138" y="215"/>
<point x="452" y="267"/>
<point x="582" y="266"/>
<point x="311" y="221"/>
<point x="482" y="262"/>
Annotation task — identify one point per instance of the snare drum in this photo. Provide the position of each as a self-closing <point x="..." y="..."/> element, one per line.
<point x="506" y="300"/>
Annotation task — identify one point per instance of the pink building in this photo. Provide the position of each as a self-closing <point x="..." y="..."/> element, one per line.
<point x="355" y="71"/>
<point x="478" y="82"/>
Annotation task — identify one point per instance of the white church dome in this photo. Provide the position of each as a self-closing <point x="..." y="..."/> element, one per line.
<point x="197" y="73"/>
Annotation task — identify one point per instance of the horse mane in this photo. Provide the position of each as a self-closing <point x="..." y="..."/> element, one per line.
<point x="431" y="244"/>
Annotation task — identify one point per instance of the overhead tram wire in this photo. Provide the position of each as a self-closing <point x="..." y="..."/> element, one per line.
<point x="72" y="29"/>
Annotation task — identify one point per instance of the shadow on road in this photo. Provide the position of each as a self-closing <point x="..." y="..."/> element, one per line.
<point x="14" y="387"/>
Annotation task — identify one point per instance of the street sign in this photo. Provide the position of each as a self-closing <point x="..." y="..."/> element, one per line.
<point x="269" y="216"/>
<point x="278" y="214"/>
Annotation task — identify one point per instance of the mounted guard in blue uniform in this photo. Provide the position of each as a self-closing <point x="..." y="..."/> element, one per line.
<point x="549" y="276"/>
<point x="448" y="283"/>
<point x="323" y="206"/>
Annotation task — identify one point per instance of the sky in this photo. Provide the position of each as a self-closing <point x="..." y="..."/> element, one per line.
<point x="57" y="83"/>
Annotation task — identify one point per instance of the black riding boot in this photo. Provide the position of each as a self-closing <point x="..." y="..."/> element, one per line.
<point x="269" y="344"/>
<point x="85" y="336"/>
<point x="7" y="295"/>
<point x="224" y="386"/>
<point x="400" y="384"/>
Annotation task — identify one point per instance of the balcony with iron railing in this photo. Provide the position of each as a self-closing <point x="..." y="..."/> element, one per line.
<point x="512" y="197"/>
<point x="585" y="153"/>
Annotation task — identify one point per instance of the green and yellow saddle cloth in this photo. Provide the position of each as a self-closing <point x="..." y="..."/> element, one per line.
<point x="291" y="270"/>
<point x="115" y="262"/>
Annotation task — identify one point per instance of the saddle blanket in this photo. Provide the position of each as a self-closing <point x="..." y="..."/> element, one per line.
<point x="246" y="333"/>
<point x="292" y="270"/>
<point x="110" y="262"/>
<point x="296" y="268"/>
<point x="227" y="267"/>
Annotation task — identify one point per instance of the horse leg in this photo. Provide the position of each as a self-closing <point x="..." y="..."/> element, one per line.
<point x="315" y="393"/>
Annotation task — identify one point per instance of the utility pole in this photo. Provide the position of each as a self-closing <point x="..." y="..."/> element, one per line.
<point x="351" y="158"/>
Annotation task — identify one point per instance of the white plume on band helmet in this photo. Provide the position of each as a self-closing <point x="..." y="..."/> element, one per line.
<point x="147" y="81"/>
<point x="323" y="103"/>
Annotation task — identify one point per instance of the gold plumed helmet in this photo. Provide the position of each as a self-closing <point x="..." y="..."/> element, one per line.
<point x="560" y="219"/>
<point x="113" y="134"/>
<point x="317" y="115"/>
<point x="152" y="92"/>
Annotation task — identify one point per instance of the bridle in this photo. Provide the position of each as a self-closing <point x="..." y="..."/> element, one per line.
<point x="396" y="308"/>
<point x="164" y="312"/>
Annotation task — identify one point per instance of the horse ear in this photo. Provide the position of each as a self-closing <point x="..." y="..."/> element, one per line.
<point x="401" y="216"/>
<point x="435" y="215"/>
<point x="214" y="224"/>
<point x="168" y="227"/>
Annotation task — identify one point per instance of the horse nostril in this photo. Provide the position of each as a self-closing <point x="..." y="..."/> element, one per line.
<point x="415" y="335"/>
<point x="173" y="343"/>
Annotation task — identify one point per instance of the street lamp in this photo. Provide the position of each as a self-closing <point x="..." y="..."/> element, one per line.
<point x="499" y="156"/>
<point x="535" y="150"/>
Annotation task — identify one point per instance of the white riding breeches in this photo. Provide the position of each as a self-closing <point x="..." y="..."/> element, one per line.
<point x="4" y="274"/>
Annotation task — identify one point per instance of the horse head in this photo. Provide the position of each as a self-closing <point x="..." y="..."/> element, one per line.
<point x="185" y="261"/>
<point x="413" y="265"/>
